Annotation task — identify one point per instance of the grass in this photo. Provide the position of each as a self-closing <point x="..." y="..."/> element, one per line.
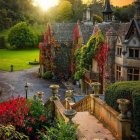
<point x="18" y="58"/>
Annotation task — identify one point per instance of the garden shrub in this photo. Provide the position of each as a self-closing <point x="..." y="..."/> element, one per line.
<point x="27" y="116"/>
<point x="22" y="36"/>
<point x="9" y="133"/>
<point x="121" y="90"/>
<point x="47" y="75"/>
<point x="129" y="90"/>
<point x="62" y="131"/>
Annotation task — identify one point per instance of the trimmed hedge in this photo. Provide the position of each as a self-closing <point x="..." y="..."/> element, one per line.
<point x="129" y="90"/>
<point x="121" y="90"/>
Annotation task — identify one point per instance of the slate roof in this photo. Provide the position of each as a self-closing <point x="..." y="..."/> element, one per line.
<point x="63" y="32"/>
<point x="120" y="29"/>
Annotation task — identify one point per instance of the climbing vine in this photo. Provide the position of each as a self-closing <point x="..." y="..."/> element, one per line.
<point x="95" y="48"/>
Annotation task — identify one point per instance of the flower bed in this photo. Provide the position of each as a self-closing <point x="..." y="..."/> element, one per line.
<point x="28" y="119"/>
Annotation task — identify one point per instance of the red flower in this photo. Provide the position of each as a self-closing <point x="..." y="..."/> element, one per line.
<point x="29" y="129"/>
<point x="42" y="118"/>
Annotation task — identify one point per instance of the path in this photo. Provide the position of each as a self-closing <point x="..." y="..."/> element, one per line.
<point x="12" y="84"/>
<point x="90" y="128"/>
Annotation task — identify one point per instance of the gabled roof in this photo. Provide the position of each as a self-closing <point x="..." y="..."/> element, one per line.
<point x="134" y="25"/>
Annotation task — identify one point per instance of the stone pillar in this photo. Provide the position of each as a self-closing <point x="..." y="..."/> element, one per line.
<point x="124" y="129"/>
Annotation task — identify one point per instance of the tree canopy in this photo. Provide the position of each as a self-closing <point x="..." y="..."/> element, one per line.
<point x="12" y="12"/>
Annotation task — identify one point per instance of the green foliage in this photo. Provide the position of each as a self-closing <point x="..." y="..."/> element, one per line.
<point x="61" y="131"/>
<point x="47" y="75"/>
<point x="36" y="118"/>
<point x="124" y="13"/>
<point x="64" y="11"/>
<point x="37" y="109"/>
<point x="84" y="55"/>
<point x="22" y="36"/>
<point x="9" y="133"/>
<point x="136" y="111"/>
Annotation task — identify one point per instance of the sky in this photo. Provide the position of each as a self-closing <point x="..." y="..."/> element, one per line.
<point x="121" y="2"/>
<point x="46" y="4"/>
<point x="115" y="2"/>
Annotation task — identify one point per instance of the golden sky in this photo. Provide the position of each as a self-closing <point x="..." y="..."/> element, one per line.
<point x="121" y="2"/>
<point x="114" y="2"/>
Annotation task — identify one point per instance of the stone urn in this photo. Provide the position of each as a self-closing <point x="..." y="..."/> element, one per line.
<point x="95" y="87"/>
<point x="54" y="89"/>
<point x="70" y="113"/>
<point x="40" y="95"/>
<point x="69" y="94"/>
<point x="123" y="107"/>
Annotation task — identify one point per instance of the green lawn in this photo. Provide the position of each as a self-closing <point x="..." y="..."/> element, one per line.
<point x="18" y="58"/>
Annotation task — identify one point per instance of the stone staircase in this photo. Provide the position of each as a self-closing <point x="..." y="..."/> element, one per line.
<point x="90" y="128"/>
<point x="94" y="116"/>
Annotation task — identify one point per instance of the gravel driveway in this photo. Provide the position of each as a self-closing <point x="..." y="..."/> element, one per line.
<point x="12" y="84"/>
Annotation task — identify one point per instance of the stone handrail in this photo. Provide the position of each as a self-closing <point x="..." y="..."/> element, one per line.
<point x="59" y="110"/>
<point x="83" y="105"/>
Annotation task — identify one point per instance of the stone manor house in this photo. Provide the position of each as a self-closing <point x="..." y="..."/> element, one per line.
<point x="123" y="57"/>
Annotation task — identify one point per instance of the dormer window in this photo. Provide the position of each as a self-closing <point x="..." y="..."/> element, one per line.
<point x="134" y="53"/>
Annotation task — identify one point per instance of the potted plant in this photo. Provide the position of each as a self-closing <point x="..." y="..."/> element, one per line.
<point x="123" y="106"/>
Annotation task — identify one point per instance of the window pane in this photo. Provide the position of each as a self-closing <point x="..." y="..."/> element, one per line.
<point x="131" y="53"/>
<point x="136" y="77"/>
<point x="130" y="77"/>
<point x="136" y="71"/>
<point x="137" y="53"/>
<point x="120" y="51"/>
<point x="130" y="70"/>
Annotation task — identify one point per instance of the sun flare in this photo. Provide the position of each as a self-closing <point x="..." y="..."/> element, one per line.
<point x="45" y="4"/>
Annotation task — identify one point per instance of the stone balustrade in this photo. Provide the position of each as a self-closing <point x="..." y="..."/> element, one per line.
<point x="121" y="128"/>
